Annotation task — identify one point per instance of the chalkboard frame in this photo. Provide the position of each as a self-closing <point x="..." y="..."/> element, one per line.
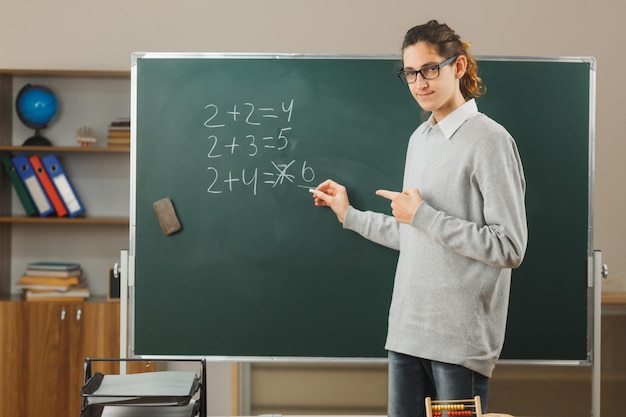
<point x="263" y="56"/>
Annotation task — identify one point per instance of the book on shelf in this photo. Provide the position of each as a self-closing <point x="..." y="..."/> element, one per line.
<point x="43" y="279"/>
<point x="56" y="274"/>
<point x="72" y="294"/>
<point x="47" y="280"/>
<point x="53" y="266"/>
<point x="122" y="134"/>
<point x="33" y="276"/>
<point x="119" y="132"/>
<point x="45" y="287"/>
<point x="118" y="142"/>
<point x="120" y="122"/>
<point x="53" y="269"/>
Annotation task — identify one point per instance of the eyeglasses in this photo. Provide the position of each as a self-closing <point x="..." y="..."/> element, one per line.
<point x="428" y="73"/>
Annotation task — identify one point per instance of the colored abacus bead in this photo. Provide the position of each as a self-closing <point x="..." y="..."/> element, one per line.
<point x="459" y="413"/>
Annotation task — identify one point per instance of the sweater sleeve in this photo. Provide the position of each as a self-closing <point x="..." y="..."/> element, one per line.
<point x="377" y="227"/>
<point x="498" y="239"/>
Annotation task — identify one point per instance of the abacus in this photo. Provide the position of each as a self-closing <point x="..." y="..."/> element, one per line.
<point x="453" y="408"/>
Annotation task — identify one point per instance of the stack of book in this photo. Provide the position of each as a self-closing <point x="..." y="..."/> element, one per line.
<point x="51" y="281"/>
<point x="42" y="185"/>
<point x="119" y="132"/>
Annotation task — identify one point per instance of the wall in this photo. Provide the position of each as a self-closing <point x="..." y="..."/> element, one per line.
<point x="78" y="34"/>
<point x="75" y="34"/>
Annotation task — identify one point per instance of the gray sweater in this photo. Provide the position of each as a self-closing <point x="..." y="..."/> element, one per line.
<point x="451" y="288"/>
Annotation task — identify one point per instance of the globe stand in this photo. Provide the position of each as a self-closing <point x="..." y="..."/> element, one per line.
<point x="37" y="140"/>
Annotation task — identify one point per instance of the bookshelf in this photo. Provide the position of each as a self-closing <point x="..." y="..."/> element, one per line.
<point x="100" y="174"/>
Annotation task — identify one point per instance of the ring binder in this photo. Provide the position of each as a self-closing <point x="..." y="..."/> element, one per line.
<point x="63" y="185"/>
<point x="20" y="188"/>
<point x="47" y="185"/>
<point x="35" y="190"/>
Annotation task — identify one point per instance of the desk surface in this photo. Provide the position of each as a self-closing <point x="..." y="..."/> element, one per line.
<point x="281" y="415"/>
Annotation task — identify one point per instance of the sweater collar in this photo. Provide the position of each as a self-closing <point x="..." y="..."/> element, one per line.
<point x="454" y="120"/>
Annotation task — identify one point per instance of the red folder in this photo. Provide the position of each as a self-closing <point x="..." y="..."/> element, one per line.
<point x="48" y="186"/>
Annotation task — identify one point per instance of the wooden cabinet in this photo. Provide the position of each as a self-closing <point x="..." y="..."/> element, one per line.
<point x="43" y="348"/>
<point x="47" y="341"/>
<point x="98" y="337"/>
<point x="12" y="358"/>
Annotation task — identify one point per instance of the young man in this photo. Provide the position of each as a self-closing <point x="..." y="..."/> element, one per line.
<point x="460" y="227"/>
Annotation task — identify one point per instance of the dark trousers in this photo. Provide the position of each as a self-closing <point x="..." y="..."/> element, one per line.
<point x="413" y="379"/>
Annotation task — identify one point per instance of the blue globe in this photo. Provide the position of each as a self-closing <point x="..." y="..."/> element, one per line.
<point x="36" y="105"/>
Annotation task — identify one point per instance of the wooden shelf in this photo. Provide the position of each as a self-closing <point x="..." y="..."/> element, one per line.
<point x="65" y="220"/>
<point x="78" y="149"/>
<point x="18" y="298"/>
<point x="66" y="73"/>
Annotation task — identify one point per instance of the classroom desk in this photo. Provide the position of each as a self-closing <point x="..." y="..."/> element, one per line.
<point x="280" y="415"/>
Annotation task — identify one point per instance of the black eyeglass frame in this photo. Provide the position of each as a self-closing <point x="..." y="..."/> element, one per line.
<point x="402" y="73"/>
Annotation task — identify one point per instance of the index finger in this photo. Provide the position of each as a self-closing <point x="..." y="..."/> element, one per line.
<point x="389" y="195"/>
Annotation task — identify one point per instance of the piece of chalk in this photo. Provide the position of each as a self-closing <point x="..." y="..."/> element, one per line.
<point x="311" y="190"/>
<point x="164" y="210"/>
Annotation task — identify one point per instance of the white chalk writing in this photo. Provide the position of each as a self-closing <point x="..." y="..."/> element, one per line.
<point x="258" y="138"/>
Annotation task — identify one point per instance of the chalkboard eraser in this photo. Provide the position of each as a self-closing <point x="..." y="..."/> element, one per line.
<point x="165" y="213"/>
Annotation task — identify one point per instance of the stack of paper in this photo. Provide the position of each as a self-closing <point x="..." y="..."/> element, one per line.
<point x="154" y="394"/>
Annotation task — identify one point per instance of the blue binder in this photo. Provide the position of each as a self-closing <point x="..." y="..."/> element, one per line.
<point x="63" y="185"/>
<point x="35" y="190"/>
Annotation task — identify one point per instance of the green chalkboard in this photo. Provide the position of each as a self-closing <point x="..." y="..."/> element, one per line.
<point x="257" y="271"/>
